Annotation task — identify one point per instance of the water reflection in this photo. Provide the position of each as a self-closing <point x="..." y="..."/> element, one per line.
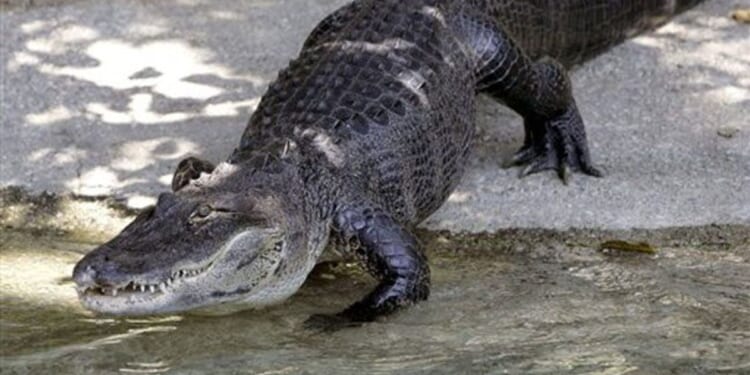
<point x="549" y="308"/>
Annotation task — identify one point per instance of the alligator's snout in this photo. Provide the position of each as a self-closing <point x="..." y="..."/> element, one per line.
<point x="98" y="274"/>
<point x="85" y="276"/>
<point x="96" y="270"/>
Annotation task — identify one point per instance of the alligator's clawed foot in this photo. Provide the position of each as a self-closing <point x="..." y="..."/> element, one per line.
<point x="329" y="322"/>
<point x="559" y="145"/>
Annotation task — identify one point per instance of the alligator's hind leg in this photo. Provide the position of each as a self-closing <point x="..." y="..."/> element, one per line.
<point x="391" y="254"/>
<point x="189" y="169"/>
<point x="541" y="93"/>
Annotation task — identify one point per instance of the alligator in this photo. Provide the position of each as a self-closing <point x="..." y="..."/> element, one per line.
<point x="359" y="139"/>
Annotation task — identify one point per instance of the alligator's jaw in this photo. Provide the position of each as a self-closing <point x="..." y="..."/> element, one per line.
<point x="136" y="298"/>
<point x="125" y="303"/>
<point x="229" y="277"/>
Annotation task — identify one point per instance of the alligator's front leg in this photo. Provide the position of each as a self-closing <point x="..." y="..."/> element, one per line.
<point x="391" y="254"/>
<point x="540" y="92"/>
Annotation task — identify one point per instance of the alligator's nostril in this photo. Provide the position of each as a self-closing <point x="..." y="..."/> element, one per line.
<point x="84" y="275"/>
<point x="99" y="268"/>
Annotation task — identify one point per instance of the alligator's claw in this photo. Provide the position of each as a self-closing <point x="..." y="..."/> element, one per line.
<point x="558" y="144"/>
<point x="523" y="156"/>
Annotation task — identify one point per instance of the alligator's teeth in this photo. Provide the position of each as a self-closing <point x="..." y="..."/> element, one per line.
<point x="151" y="288"/>
<point x="114" y="292"/>
<point x="162" y="287"/>
<point x="143" y="288"/>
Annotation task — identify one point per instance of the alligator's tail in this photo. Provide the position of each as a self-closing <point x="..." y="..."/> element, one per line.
<point x="573" y="31"/>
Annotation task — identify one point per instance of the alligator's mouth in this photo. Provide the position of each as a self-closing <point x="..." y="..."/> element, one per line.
<point x="183" y="289"/>
<point x="137" y="288"/>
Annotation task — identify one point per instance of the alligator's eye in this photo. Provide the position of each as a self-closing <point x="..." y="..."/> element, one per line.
<point x="203" y="211"/>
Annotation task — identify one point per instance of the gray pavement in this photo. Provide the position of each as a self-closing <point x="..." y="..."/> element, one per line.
<point x="103" y="98"/>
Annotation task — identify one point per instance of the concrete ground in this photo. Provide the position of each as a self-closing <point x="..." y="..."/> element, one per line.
<point x="103" y="98"/>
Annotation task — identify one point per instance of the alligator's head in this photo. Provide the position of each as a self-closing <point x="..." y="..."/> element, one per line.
<point x="214" y="242"/>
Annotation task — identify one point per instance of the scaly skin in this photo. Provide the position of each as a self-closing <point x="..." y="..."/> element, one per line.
<point x="368" y="131"/>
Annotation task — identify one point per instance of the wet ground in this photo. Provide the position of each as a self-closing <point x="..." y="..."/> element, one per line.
<point x="518" y="302"/>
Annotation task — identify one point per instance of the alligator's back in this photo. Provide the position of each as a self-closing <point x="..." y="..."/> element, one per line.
<point x="573" y="31"/>
<point x="384" y="89"/>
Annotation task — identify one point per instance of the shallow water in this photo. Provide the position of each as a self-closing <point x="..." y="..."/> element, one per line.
<point x="497" y="306"/>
